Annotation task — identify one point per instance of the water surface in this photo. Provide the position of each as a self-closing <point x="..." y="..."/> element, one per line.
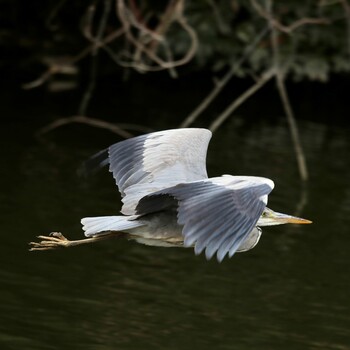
<point x="290" y="292"/>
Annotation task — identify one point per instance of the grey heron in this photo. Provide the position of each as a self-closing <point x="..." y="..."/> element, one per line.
<point x="168" y="199"/>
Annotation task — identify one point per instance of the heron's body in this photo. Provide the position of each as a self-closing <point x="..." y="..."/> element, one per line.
<point x="163" y="230"/>
<point x="160" y="230"/>
<point x="168" y="199"/>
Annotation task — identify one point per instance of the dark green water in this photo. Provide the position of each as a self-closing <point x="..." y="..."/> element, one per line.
<point x="290" y="292"/>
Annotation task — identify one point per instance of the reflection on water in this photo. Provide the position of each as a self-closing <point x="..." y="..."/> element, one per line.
<point x="290" y="292"/>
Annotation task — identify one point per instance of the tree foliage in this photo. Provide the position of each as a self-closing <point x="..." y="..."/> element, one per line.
<point x="146" y="36"/>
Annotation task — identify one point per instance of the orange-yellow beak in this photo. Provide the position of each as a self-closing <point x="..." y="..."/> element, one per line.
<point x="289" y="219"/>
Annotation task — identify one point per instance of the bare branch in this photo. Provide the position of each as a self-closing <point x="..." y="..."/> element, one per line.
<point x="280" y="76"/>
<point x="94" y="66"/>
<point x="42" y="79"/>
<point x="303" y="21"/>
<point x="220" y="21"/>
<point x="194" y="41"/>
<point x="174" y="8"/>
<point x="283" y="28"/>
<point x="53" y="14"/>
<point x="87" y="22"/>
<point x="85" y="120"/>
<point x="293" y="127"/>
<point x="222" y="82"/>
<point x="96" y="45"/>
<point x="242" y="98"/>
<point x="60" y="67"/>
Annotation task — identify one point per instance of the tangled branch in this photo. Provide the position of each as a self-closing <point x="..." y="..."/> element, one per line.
<point x="145" y="57"/>
<point x="147" y="43"/>
<point x="143" y="49"/>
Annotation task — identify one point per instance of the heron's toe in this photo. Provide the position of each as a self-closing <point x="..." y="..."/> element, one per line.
<point x="58" y="235"/>
<point x="53" y="241"/>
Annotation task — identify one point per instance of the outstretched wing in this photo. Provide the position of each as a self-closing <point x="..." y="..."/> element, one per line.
<point x="155" y="161"/>
<point x="217" y="214"/>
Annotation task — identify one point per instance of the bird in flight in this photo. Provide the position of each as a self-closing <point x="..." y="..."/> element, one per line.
<point x="168" y="199"/>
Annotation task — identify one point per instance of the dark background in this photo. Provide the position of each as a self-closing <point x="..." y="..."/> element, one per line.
<point x="290" y="292"/>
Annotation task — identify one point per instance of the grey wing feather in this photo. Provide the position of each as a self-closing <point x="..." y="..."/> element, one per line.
<point x="218" y="214"/>
<point x="155" y="161"/>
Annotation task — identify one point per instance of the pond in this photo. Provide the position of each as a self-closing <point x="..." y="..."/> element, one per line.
<point x="289" y="292"/>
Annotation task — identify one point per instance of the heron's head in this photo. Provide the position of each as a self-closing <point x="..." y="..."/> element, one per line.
<point x="271" y="218"/>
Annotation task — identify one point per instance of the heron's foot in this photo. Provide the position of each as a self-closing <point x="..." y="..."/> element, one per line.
<point x="57" y="240"/>
<point x="53" y="241"/>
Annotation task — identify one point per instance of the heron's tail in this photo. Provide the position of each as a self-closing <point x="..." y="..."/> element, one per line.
<point x="95" y="225"/>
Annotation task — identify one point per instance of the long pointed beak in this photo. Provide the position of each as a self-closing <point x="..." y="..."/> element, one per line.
<point x="289" y="219"/>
